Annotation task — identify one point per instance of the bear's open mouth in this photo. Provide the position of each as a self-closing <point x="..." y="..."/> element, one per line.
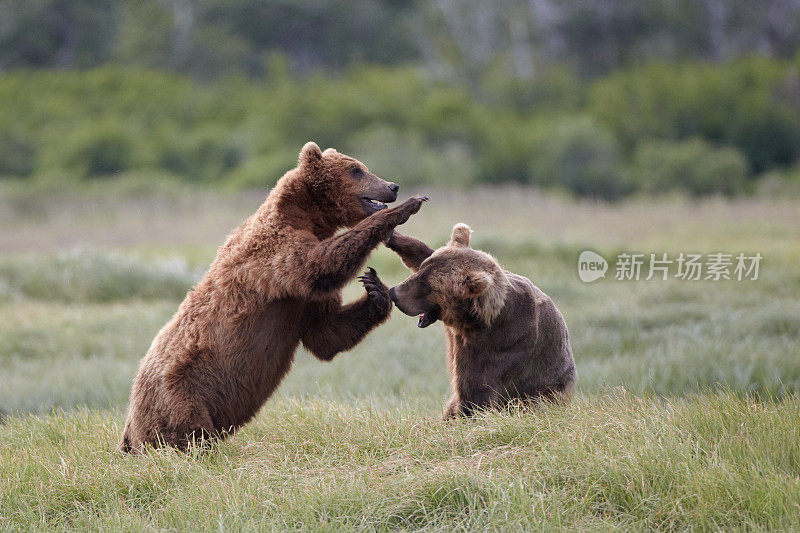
<point x="372" y="205"/>
<point x="428" y="318"/>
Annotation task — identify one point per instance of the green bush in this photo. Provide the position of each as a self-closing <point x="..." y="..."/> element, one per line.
<point x="768" y="135"/>
<point x="746" y="103"/>
<point x="202" y="156"/>
<point x="694" y="166"/>
<point x="549" y="132"/>
<point x="95" y="149"/>
<point x="16" y="153"/>
<point x="576" y="154"/>
<point x="262" y="171"/>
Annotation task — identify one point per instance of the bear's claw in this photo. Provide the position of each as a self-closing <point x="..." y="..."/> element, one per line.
<point x="377" y="292"/>
<point x="408" y="208"/>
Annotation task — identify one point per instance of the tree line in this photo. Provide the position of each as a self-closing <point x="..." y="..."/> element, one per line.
<point x="603" y="98"/>
<point x="464" y="40"/>
<point x="695" y="127"/>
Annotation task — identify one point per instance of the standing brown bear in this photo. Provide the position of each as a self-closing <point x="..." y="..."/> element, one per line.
<point x="506" y="339"/>
<point x="275" y="282"/>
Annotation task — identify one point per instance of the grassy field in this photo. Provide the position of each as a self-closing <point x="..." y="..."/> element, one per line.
<point x="686" y="414"/>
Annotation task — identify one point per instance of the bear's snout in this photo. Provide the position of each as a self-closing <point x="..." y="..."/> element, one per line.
<point x="396" y="301"/>
<point x="394" y="188"/>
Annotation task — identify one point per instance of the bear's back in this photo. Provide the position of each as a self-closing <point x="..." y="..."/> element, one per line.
<point x="541" y="331"/>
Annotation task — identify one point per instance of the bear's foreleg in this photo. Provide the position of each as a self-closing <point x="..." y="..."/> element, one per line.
<point x="451" y="410"/>
<point x="328" y="333"/>
<point x="411" y="251"/>
<point x="477" y="397"/>
<point x="333" y="262"/>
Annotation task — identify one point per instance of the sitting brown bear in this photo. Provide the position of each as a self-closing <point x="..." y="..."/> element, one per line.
<point x="275" y="283"/>
<point x="506" y="340"/>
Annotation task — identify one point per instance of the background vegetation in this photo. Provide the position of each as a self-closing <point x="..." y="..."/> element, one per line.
<point x="602" y="99"/>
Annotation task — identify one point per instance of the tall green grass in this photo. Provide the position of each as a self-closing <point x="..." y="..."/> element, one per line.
<point x="608" y="461"/>
<point x="79" y="342"/>
<point x="94" y="276"/>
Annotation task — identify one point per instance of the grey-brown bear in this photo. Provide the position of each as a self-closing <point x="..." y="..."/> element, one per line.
<point x="275" y="282"/>
<point x="506" y="339"/>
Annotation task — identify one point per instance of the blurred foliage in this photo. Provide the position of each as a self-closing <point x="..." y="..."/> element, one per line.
<point x="695" y="127"/>
<point x="579" y="155"/>
<point x="601" y="99"/>
<point x="205" y="38"/>
<point x="694" y="165"/>
<point x="462" y="40"/>
<point x="751" y="104"/>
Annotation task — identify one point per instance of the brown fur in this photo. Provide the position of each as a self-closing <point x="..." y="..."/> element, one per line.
<point x="275" y="282"/>
<point x="506" y="340"/>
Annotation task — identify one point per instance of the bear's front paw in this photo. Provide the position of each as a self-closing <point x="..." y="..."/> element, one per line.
<point x="377" y="292"/>
<point x="451" y="410"/>
<point x="410" y="207"/>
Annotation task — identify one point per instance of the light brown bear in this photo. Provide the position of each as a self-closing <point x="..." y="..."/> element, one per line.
<point x="275" y="282"/>
<point x="506" y="340"/>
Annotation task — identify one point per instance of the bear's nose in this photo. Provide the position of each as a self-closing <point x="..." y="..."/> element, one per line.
<point x="394" y="187"/>
<point x="392" y="295"/>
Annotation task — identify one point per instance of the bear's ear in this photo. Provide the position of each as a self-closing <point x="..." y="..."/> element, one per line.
<point x="329" y="151"/>
<point x="310" y="154"/>
<point x="460" y="235"/>
<point x="476" y="283"/>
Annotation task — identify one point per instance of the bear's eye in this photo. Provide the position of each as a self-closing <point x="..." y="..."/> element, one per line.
<point x="356" y="171"/>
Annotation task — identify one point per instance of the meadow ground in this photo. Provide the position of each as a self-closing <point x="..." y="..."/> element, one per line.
<point x="686" y="413"/>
